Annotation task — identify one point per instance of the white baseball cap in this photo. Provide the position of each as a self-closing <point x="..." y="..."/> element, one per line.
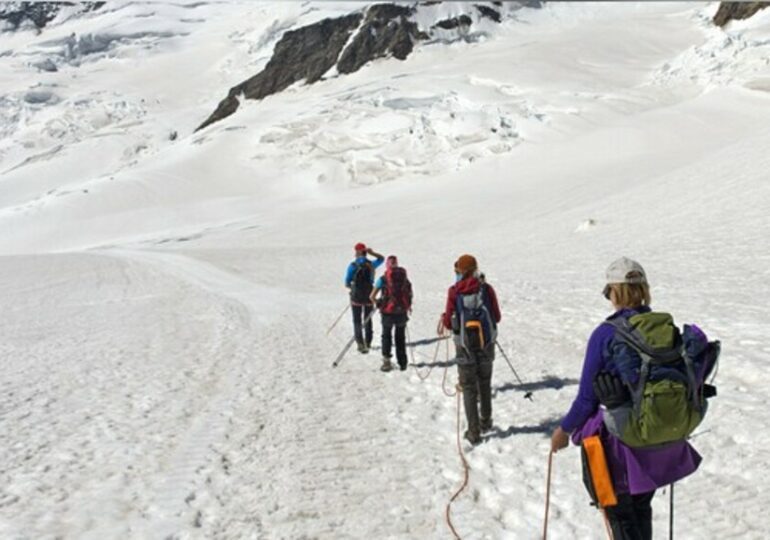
<point x="624" y="270"/>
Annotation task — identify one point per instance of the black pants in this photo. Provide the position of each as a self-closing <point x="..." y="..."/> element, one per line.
<point x="360" y="313"/>
<point x="631" y="518"/>
<point x="389" y="323"/>
<point x="476" y="382"/>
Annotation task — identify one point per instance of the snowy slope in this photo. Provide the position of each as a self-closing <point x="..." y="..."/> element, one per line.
<point x="166" y="301"/>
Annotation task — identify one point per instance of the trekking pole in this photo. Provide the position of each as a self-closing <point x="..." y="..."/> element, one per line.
<point x="352" y="340"/>
<point x="547" y="495"/>
<point x="527" y="395"/>
<point x="338" y="319"/>
<point x="671" y="514"/>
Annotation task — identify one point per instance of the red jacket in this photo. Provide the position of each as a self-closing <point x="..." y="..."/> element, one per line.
<point x="468" y="285"/>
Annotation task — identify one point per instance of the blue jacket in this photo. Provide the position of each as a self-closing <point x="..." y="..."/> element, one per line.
<point x="360" y="260"/>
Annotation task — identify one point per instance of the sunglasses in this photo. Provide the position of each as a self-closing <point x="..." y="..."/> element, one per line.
<point x="606" y="291"/>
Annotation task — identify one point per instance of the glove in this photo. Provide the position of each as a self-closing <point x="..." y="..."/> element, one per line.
<point x="610" y="390"/>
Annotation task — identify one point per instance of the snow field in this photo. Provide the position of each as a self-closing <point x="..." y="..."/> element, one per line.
<point x="166" y="368"/>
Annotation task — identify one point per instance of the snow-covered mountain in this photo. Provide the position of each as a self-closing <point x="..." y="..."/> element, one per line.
<point x="167" y="289"/>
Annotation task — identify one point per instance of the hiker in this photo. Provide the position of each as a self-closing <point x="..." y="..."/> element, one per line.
<point x="395" y="304"/>
<point x="359" y="278"/>
<point x="472" y="314"/>
<point x="635" y="367"/>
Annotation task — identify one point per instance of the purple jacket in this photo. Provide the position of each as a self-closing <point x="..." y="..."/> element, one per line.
<point x="634" y="470"/>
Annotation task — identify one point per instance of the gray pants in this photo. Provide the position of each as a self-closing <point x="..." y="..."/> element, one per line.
<point x="476" y="382"/>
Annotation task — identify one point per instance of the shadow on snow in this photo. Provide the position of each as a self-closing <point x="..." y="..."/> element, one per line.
<point x="549" y="382"/>
<point x="544" y="428"/>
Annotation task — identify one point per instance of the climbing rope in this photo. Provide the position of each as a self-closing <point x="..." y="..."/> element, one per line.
<point x="466" y="469"/>
<point x="457" y="393"/>
<point x="607" y="525"/>
<point x="548" y="503"/>
<point x="414" y="364"/>
<point x="547" y="495"/>
<point x="446" y="371"/>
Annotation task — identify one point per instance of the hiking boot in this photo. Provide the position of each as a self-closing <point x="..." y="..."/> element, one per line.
<point x="386" y="365"/>
<point x="485" y="424"/>
<point x="362" y="348"/>
<point x="402" y="367"/>
<point x="473" y="437"/>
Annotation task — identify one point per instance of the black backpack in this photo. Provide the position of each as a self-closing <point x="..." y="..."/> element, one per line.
<point x="361" y="284"/>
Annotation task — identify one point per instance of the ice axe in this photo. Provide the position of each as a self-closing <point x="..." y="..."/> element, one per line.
<point x="528" y="394"/>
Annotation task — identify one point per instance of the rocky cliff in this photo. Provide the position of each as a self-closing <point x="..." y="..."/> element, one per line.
<point x="348" y="43"/>
<point x="39" y="14"/>
<point x="729" y="11"/>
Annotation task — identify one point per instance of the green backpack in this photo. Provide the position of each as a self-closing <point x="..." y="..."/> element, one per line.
<point x="665" y="372"/>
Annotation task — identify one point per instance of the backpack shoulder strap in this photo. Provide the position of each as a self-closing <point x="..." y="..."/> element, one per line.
<point x="626" y="333"/>
<point x="367" y="264"/>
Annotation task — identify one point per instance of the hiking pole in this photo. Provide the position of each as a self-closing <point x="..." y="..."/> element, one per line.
<point x="671" y="514"/>
<point x="353" y="339"/>
<point x="338" y="319"/>
<point x="547" y="495"/>
<point x="528" y="395"/>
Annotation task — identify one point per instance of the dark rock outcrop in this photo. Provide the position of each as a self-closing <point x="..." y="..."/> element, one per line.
<point x="385" y="32"/>
<point x="729" y="11"/>
<point x="306" y="53"/>
<point x="489" y="13"/>
<point x="349" y="42"/>
<point x="38" y="13"/>
<point x="454" y="22"/>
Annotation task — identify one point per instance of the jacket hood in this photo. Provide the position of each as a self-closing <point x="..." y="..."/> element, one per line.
<point x="468" y="285"/>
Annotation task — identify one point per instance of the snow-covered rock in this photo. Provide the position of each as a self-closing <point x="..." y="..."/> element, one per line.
<point x="345" y="44"/>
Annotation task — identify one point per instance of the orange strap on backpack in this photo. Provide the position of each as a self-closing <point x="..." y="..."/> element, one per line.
<point x="600" y="473"/>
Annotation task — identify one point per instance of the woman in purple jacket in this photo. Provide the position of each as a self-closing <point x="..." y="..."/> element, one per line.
<point x="636" y="472"/>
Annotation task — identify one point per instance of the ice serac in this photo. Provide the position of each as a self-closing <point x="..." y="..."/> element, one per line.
<point x="729" y="11"/>
<point x="348" y="43"/>
<point x="15" y="14"/>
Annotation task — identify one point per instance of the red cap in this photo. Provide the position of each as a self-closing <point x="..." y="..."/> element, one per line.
<point x="360" y="246"/>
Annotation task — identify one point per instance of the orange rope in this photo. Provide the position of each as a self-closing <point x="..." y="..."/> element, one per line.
<point x="547" y="495"/>
<point x="446" y="371"/>
<point x="607" y="524"/>
<point x="414" y="364"/>
<point x="466" y="470"/>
